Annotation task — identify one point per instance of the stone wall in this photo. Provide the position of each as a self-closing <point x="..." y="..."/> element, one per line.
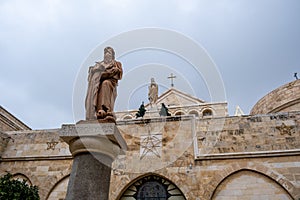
<point x="217" y="148"/>
<point x="204" y="179"/>
<point x="44" y="173"/>
<point x="4" y="138"/>
<point x="249" y="185"/>
<point x="205" y="158"/>
<point x="249" y="135"/>
<point x="41" y="156"/>
<point x="59" y="191"/>
<point x="33" y="144"/>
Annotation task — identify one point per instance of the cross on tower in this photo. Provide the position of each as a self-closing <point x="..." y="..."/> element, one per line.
<point x="172" y="77"/>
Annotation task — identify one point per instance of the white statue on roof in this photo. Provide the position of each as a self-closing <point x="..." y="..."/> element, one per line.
<point x="153" y="92"/>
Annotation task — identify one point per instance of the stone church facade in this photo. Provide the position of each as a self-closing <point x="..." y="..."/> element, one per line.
<point x="198" y="153"/>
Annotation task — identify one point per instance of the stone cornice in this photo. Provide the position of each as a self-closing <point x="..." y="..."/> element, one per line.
<point x="93" y="137"/>
<point x="35" y="158"/>
<point x="260" y="154"/>
<point x="11" y="121"/>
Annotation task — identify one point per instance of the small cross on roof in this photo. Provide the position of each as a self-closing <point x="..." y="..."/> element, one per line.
<point x="172" y="77"/>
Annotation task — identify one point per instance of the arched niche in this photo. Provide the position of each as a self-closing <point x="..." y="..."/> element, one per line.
<point x="207" y="112"/>
<point x="59" y="190"/>
<point x="152" y="186"/>
<point x="194" y="112"/>
<point x="246" y="184"/>
<point x="178" y="113"/>
<point x="21" y="177"/>
<point x="127" y="117"/>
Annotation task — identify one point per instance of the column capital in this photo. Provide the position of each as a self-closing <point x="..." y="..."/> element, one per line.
<point x="93" y="137"/>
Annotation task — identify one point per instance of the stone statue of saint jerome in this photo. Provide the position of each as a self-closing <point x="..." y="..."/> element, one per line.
<point x="102" y="87"/>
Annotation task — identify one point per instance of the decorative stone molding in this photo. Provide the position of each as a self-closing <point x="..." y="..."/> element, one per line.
<point x="91" y="136"/>
<point x="9" y="122"/>
<point x="94" y="145"/>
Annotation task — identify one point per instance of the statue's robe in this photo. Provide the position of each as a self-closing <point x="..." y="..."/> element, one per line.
<point x="101" y="93"/>
<point x="153" y="93"/>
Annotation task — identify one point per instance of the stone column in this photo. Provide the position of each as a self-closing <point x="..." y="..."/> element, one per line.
<point x="94" y="147"/>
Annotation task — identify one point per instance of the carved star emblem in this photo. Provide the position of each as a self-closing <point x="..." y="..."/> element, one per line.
<point x="150" y="145"/>
<point x="51" y="145"/>
<point x="284" y="129"/>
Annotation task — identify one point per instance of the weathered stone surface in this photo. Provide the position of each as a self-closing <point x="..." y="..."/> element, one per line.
<point x="35" y="144"/>
<point x="26" y="153"/>
<point x="46" y="173"/>
<point x="4" y="138"/>
<point x="90" y="177"/>
<point x="107" y="132"/>
<point x="249" y="136"/>
<point x="200" y="155"/>
<point x="283" y="99"/>
<point x="248" y="185"/>
<point x="94" y="146"/>
<point x="210" y="171"/>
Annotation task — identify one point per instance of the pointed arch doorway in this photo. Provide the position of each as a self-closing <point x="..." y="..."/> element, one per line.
<point x="152" y="187"/>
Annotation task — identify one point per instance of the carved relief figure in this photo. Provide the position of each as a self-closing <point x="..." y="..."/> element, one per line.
<point x="153" y="92"/>
<point x="102" y="86"/>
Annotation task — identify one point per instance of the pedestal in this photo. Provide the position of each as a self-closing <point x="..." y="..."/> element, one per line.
<point x="94" y="147"/>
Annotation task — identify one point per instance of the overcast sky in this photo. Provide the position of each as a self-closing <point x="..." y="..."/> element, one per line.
<point x="255" y="45"/>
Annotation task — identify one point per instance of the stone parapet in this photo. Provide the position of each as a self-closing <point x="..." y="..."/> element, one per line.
<point x="248" y="136"/>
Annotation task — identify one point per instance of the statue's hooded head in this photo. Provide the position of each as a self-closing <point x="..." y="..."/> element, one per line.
<point x="153" y="83"/>
<point x="109" y="54"/>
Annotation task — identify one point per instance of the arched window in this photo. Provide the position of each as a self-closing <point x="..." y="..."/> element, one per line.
<point x="207" y="113"/>
<point x="59" y="190"/>
<point x="127" y="117"/>
<point x="194" y="112"/>
<point x="21" y="177"/>
<point x="152" y="187"/>
<point x="179" y="113"/>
